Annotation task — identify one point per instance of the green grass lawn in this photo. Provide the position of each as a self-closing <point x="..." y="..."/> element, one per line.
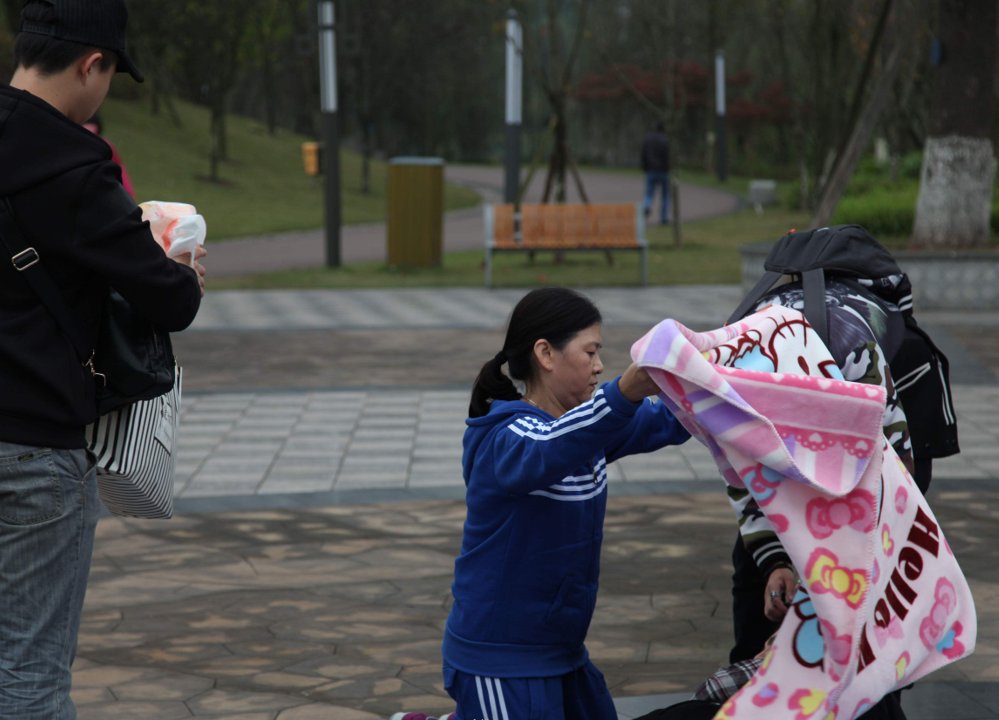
<point x="709" y="255"/>
<point x="263" y="187"/>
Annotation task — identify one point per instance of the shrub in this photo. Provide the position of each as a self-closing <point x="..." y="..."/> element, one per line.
<point x="789" y="194"/>
<point x="911" y="165"/>
<point x="891" y="211"/>
<point x="882" y="212"/>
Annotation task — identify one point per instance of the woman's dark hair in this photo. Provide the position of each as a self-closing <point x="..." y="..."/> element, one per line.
<point x="553" y="314"/>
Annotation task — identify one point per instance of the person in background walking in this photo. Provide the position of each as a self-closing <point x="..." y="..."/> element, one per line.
<point x="655" y="165"/>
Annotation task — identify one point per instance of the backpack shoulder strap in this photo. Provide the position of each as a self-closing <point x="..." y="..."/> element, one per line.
<point x="27" y="262"/>
<point x="814" y="283"/>
<point x="754" y="296"/>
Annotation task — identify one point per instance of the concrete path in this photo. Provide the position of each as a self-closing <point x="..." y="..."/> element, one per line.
<point x="377" y="382"/>
<point x="463" y="229"/>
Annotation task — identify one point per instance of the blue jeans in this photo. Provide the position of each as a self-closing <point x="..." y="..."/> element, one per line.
<point x="654" y="179"/>
<point x="48" y="514"/>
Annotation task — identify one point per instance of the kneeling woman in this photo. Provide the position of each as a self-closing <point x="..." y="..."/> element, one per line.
<point x="535" y="467"/>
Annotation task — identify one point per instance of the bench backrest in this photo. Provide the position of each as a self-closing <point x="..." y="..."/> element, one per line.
<point x="567" y="225"/>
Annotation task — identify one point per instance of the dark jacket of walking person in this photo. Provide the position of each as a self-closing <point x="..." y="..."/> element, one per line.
<point x="68" y="203"/>
<point x="656" y="166"/>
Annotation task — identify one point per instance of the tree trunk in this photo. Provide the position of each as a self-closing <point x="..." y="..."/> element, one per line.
<point x="857" y="102"/>
<point x="557" y="85"/>
<point x="558" y="159"/>
<point x="268" y="73"/>
<point x="778" y="14"/>
<point x="859" y="140"/>
<point x="367" y="151"/>
<point x="959" y="167"/>
<point x="955" y="193"/>
<point x="216" y="133"/>
<point x="213" y="159"/>
<point x="12" y="12"/>
<point x="270" y="94"/>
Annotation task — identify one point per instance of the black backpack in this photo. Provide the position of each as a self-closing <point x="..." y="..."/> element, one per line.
<point x="852" y="256"/>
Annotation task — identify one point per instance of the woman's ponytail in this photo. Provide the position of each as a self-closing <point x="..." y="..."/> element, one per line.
<point x="491" y="384"/>
<point x="554" y="314"/>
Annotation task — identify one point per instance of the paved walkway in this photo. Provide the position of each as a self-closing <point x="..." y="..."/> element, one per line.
<point x="329" y="391"/>
<point x="306" y="575"/>
<point x="463" y="229"/>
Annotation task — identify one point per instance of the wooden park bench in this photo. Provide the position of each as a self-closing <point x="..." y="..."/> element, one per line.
<point x="563" y="228"/>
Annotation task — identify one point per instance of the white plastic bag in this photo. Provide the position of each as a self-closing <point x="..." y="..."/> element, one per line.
<point x="177" y="227"/>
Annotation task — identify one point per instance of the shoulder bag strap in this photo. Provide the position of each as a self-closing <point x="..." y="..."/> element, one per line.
<point x="27" y="262"/>
<point x="763" y="285"/>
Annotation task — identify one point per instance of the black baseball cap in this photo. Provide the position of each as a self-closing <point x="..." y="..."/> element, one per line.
<point x="97" y="23"/>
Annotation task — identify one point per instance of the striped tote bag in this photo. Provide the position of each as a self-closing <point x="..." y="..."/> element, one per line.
<point x="135" y="449"/>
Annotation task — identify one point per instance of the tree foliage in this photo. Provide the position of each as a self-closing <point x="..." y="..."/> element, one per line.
<point x="425" y="77"/>
<point x="959" y="165"/>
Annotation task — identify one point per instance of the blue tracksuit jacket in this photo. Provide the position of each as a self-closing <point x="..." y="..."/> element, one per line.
<point x="525" y="582"/>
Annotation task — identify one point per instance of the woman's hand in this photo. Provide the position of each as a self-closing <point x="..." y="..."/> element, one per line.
<point x="185" y="259"/>
<point x="780" y="590"/>
<point x="635" y="384"/>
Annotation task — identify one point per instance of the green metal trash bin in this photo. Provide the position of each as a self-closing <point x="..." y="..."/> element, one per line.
<point x="415" y="211"/>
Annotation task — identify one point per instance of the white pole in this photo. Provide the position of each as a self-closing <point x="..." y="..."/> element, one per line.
<point x="514" y="105"/>
<point x="514" y="69"/>
<point x="331" y="140"/>
<point x="327" y="55"/>
<point x="720" y="114"/>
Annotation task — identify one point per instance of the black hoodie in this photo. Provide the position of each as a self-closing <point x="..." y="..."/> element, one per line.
<point x="70" y="205"/>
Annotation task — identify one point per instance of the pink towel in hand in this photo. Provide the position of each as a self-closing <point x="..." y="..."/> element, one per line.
<point x="883" y="601"/>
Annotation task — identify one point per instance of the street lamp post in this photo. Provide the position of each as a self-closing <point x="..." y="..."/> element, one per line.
<point x="720" y="114"/>
<point x="331" y="141"/>
<point x="514" y="103"/>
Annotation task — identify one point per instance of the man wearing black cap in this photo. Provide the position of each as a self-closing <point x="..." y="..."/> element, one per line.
<point x="67" y="201"/>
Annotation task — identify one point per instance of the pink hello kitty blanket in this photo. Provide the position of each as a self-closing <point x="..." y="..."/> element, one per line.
<point x="882" y="601"/>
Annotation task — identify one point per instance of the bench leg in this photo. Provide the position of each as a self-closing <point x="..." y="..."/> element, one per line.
<point x="489" y="268"/>
<point x="644" y="261"/>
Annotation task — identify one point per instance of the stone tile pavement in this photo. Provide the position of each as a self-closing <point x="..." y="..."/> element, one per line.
<point x="335" y="611"/>
<point x="340" y="390"/>
<point x="319" y="510"/>
<point x="323" y="442"/>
